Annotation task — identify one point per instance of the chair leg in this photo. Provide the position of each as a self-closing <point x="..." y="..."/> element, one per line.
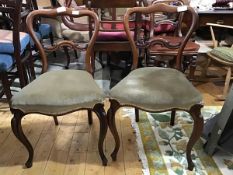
<point x="52" y="42"/>
<point x="31" y="66"/>
<point x="136" y="114"/>
<point x="67" y="57"/>
<point x="90" y="120"/>
<point x="55" y="120"/>
<point x="227" y="82"/>
<point x="75" y="54"/>
<point x="195" y="112"/>
<point x="18" y="132"/>
<point x="205" y="68"/>
<point x="6" y="85"/>
<point x="100" y="112"/>
<point x="173" y="115"/>
<point x="193" y="65"/>
<point x="22" y="74"/>
<point x="114" y="106"/>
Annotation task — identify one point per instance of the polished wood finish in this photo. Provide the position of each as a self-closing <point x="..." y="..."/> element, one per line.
<point x="195" y="112"/>
<point x="71" y="147"/>
<point x="179" y="47"/>
<point x="98" y="108"/>
<point x="215" y="16"/>
<point x="195" y="109"/>
<point x="113" y="45"/>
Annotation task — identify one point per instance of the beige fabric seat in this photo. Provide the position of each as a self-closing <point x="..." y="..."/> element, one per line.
<point x="67" y="90"/>
<point x="61" y="92"/>
<point x="156" y="89"/>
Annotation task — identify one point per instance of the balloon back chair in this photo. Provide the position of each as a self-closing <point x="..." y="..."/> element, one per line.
<point x="60" y="92"/>
<point x="112" y="37"/>
<point x="156" y="89"/>
<point x="174" y="29"/>
<point x="15" y="54"/>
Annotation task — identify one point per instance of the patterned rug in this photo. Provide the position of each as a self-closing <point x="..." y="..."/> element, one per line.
<point x="161" y="147"/>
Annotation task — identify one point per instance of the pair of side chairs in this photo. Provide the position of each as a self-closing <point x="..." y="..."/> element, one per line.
<point x="60" y="92"/>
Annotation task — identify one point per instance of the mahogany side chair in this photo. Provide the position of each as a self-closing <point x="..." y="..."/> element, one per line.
<point x="156" y="89"/>
<point x="175" y="29"/>
<point x="112" y="37"/>
<point x="15" y="53"/>
<point x="60" y="92"/>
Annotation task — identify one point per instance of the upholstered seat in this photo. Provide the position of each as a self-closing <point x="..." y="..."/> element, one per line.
<point x="155" y="89"/>
<point x="68" y="90"/>
<point x="45" y="30"/>
<point x="148" y="89"/>
<point x="6" y="62"/>
<point x="60" y="92"/>
<point x="113" y="36"/>
<point x="224" y="53"/>
<point x="6" y="41"/>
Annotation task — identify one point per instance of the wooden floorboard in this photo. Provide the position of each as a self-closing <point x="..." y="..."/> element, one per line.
<point x="71" y="147"/>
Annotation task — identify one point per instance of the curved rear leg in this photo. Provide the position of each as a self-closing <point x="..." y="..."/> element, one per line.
<point x="112" y="126"/>
<point x="99" y="110"/>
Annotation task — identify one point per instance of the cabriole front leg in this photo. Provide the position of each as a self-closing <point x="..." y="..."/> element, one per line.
<point x="195" y="112"/>
<point x="114" y="106"/>
<point x="99" y="110"/>
<point x="18" y="132"/>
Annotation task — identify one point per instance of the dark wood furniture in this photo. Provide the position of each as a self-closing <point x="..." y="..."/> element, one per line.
<point x="215" y="16"/>
<point x="15" y="45"/>
<point x="155" y="89"/>
<point x="112" y="37"/>
<point x="182" y="47"/>
<point x="60" y="92"/>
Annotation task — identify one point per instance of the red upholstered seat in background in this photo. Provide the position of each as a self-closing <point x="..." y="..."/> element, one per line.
<point x="113" y="36"/>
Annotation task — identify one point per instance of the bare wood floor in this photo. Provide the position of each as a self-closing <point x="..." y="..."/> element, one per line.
<point x="71" y="147"/>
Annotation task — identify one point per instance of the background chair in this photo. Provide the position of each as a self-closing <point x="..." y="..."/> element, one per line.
<point x="222" y="55"/>
<point x="173" y="29"/>
<point x="156" y="89"/>
<point x="15" y="54"/>
<point x="60" y="92"/>
<point x="112" y="37"/>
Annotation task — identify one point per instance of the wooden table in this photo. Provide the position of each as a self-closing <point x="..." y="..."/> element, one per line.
<point x="215" y="16"/>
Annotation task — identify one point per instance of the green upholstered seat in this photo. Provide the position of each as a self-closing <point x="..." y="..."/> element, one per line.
<point x="224" y="53"/>
<point x="156" y="89"/>
<point x="58" y="92"/>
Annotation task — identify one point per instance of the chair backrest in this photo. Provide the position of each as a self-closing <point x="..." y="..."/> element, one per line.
<point x="159" y="8"/>
<point x="12" y="9"/>
<point x="64" y="12"/>
<point x="114" y="8"/>
<point x="167" y="22"/>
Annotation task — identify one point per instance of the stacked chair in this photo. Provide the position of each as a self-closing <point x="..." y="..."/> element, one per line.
<point x="15" y="53"/>
<point x="173" y="28"/>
